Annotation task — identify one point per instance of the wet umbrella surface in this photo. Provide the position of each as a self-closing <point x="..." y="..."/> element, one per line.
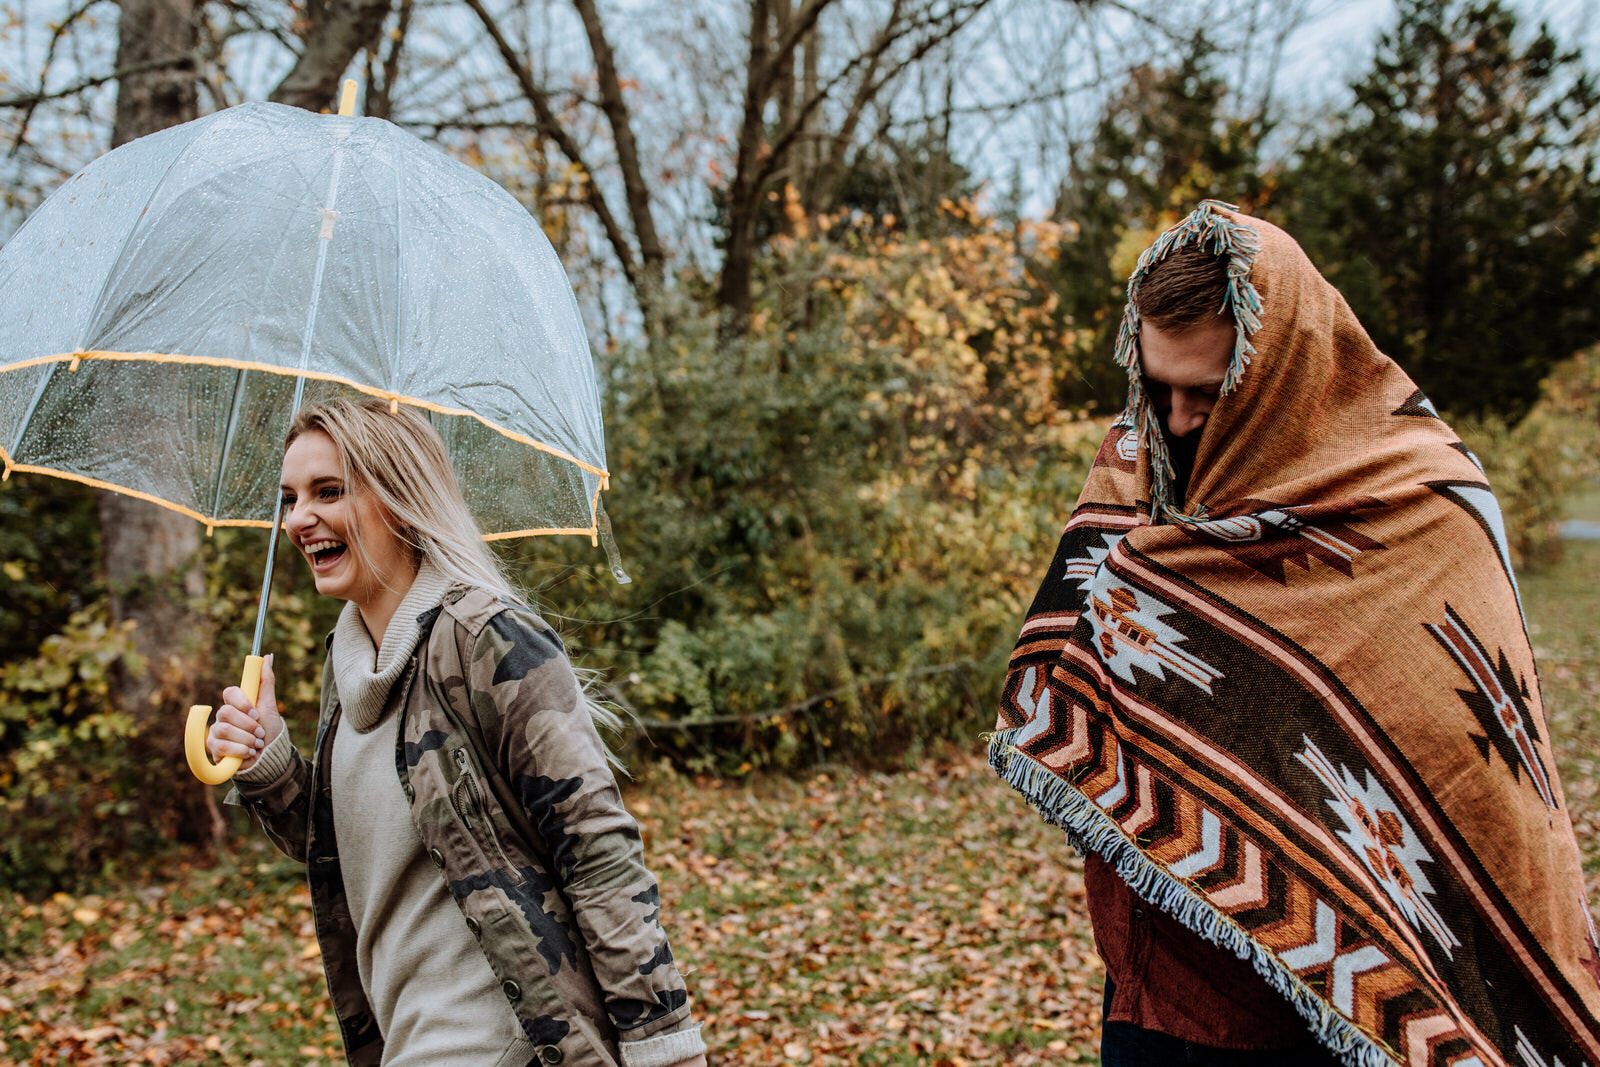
<point x="165" y="313"/>
<point x="158" y="311"/>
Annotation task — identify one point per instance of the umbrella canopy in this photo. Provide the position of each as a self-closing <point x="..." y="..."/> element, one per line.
<point x="161" y="313"/>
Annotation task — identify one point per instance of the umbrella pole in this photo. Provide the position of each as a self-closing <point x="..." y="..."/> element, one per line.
<point x="266" y="579"/>
<point x="194" y="734"/>
<point x="195" y="729"/>
<point x="277" y="506"/>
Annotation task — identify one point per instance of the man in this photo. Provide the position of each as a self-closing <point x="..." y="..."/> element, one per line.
<point x="1276" y="686"/>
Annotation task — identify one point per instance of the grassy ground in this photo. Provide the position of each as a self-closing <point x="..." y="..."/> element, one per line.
<point x="924" y="917"/>
<point x="1563" y="606"/>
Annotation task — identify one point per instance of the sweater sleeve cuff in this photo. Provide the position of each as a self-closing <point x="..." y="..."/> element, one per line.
<point x="663" y="1050"/>
<point x="271" y="763"/>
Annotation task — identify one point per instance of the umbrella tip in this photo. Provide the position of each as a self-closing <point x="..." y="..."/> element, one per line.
<point x="347" y="98"/>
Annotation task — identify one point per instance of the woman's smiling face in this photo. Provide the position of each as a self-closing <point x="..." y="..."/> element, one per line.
<point x="324" y="519"/>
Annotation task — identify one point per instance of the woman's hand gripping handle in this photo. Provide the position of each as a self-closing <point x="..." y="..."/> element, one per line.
<point x="246" y="723"/>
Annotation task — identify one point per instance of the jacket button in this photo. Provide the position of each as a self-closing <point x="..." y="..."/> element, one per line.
<point x="549" y="1054"/>
<point x="1138" y="913"/>
<point x="437" y="857"/>
<point x="512" y="990"/>
<point x="473" y="925"/>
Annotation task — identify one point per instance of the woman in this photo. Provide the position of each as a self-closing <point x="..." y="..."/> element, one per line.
<point x="453" y="740"/>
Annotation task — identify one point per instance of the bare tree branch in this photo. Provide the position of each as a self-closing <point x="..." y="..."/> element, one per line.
<point x="186" y="59"/>
<point x="552" y="128"/>
<point x="615" y="108"/>
<point x="841" y="138"/>
<point x="384" y="70"/>
<point x="57" y="32"/>
<point x="943" y="27"/>
<point x="339" y="29"/>
<point x="758" y="160"/>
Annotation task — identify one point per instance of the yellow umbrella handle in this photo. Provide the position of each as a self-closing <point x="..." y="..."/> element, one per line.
<point x="194" y="732"/>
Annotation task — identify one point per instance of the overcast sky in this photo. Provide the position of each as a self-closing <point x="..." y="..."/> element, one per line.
<point x="1330" y="50"/>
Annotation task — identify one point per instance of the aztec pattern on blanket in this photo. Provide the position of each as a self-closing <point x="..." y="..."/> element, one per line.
<point x="1299" y="710"/>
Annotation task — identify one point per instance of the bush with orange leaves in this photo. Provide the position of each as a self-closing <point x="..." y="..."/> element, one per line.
<point x="836" y="520"/>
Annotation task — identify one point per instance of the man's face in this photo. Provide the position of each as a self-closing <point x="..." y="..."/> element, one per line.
<point x="1184" y="370"/>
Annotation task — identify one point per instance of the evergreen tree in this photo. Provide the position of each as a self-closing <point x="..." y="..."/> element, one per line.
<point x="1166" y="141"/>
<point x="1456" y="207"/>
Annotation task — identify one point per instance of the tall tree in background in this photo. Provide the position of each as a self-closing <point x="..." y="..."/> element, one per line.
<point x="808" y="88"/>
<point x="815" y="116"/>
<point x="153" y="568"/>
<point x="1456" y="206"/>
<point x="641" y="255"/>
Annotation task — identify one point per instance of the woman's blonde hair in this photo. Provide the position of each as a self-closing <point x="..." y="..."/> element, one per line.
<point x="399" y="458"/>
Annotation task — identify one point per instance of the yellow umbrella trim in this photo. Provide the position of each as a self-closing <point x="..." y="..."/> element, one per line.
<point x="72" y="359"/>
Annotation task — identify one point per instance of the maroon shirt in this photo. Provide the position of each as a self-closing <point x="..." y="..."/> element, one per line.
<point x="1169" y="979"/>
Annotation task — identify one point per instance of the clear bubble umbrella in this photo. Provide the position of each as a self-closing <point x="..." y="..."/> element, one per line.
<point x="165" y="313"/>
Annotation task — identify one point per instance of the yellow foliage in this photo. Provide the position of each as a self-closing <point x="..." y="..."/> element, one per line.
<point x="975" y="336"/>
<point x="853" y="501"/>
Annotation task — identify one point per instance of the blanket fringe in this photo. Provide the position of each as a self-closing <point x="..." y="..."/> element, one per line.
<point x="1089" y="829"/>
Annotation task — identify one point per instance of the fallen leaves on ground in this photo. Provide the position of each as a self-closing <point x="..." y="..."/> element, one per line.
<point x="924" y="917"/>
<point x="202" y="967"/>
<point x="921" y="917"/>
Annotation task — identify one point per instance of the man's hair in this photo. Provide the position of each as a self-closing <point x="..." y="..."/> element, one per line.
<point x="1188" y="287"/>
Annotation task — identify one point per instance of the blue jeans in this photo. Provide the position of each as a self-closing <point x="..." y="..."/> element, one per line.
<point x="1127" y="1045"/>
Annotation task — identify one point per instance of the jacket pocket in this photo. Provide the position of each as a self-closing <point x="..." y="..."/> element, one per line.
<point x="538" y="995"/>
<point x="586" y="1045"/>
<point x="467" y="798"/>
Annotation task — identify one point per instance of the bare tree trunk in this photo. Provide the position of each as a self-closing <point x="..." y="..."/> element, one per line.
<point x="152" y="558"/>
<point x="738" y="254"/>
<point x="151" y="31"/>
<point x="339" y="29"/>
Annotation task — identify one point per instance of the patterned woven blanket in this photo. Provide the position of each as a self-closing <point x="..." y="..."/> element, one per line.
<point x="1299" y="710"/>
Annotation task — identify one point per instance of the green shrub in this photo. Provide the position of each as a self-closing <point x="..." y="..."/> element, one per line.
<point x="835" y="524"/>
<point x="1537" y="465"/>
<point x="64" y="787"/>
<point x="49" y="558"/>
<point x="84" y="786"/>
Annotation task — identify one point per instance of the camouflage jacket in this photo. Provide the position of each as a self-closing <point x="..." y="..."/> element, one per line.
<point x="514" y="802"/>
